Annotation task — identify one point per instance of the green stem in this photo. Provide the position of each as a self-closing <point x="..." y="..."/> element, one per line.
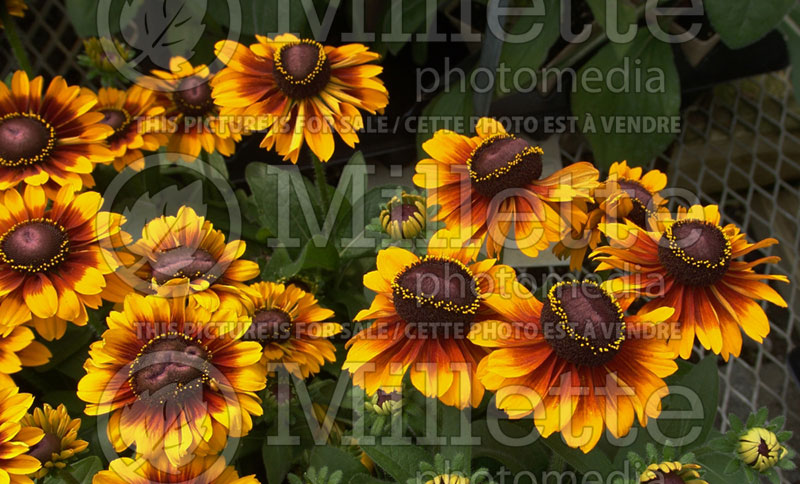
<point x="67" y="477"/>
<point x="13" y="39"/>
<point x="321" y="181"/>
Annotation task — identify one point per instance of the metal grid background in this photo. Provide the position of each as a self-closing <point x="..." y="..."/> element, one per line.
<point x="738" y="149"/>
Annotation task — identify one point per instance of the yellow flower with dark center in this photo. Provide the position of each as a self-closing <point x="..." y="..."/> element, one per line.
<point x="175" y="378"/>
<point x="183" y="255"/>
<point x="449" y="479"/>
<point x="16" y="439"/>
<point x="18" y="349"/>
<point x="49" y="141"/>
<point x="404" y="217"/>
<point x="201" y="470"/>
<point x="52" y="266"/>
<point x="576" y="363"/>
<point x="131" y="114"/>
<point x="484" y="183"/>
<point x="192" y="121"/>
<point x="423" y="310"/>
<point x="291" y="326"/>
<point x="300" y="90"/>
<point x="15" y="8"/>
<point x="691" y="264"/>
<point x="60" y="441"/>
<point x="625" y="195"/>
<point x="672" y="473"/>
<point x="760" y="449"/>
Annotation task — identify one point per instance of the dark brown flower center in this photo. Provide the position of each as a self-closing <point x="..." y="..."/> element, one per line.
<point x="118" y="119"/>
<point x="403" y="212"/>
<point x="504" y="162"/>
<point x="666" y="478"/>
<point x="641" y="198"/>
<point x="269" y="326"/>
<point x="437" y="293"/>
<point x="44" y="449"/>
<point x="301" y="69"/>
<point x="168" y="365"/>
<point x="763" y="448"/>
<point x="184" y="262"/>
<point x="582" y="323"/>
<point x="384" y="397"/>
<point x="25" y="139"/>
<point x="695" y="252"/>
<point x="193" y="96"/>
<point x="34" y="246"/>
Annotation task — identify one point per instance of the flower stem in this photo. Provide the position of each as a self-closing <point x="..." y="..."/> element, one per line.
<point x="321" y="181"/>
<point x="13" y="39"/>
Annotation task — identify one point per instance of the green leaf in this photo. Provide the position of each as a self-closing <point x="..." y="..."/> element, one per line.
<point x="278" y="461"/>
<point x="736" y="423"/>
<point x="400" y="461"/>
<point x="583" y="463"/>
<point x="743" y="22"/>
<point x="624" y="12"/>
<point x="412" y="14"/>
<point x="316" y="254"/>
<point x="516" y="458"/>
<point x="366" y="479"/>
<point x="336" y="459"/>
<point x="82" y="471"/>
<point x="217" y="161"/>
<point x="790" y="27"/>
<point x="702" y="381"/>
<point x="531" y="54"/>
<point x="263" y="18"/>
<point x="715" y="467"/>
<point x="613" y="117"/>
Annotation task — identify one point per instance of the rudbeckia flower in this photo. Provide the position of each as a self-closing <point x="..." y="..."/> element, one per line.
<point x="175" y="378"/>
<point x="404" y="216"/>
<point x="52" y="266"/>
<point x="422" y="312"/>
<point x="672" y="473"/>
<point x="485" y="183"/>
<point x="576" y="363"/>
<point x="60" y="441"/>
<point x="183" y="255"/>
<point x="192" y="121"/>
<point x="691" y="264"/>
<point x="17" y="350"/>
<point x="201" y="470"/>
<point x="760" y="449"/>
<point x="49" y="141"/>
<point x="15" y="439"/>
<point x="15" y="8"/>
<point x="300" y="90"/>
<point x="292" y="327"/>
<point x="625" y="195"/>
<point x="130" y="114"/>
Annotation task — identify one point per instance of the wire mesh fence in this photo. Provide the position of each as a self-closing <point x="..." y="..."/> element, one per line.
<point x="739" y="149"/>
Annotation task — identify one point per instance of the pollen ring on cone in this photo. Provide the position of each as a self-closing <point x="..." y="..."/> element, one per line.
<point x="583" y="323"/>
<point x="503" y="162"/>
<point x="696" y="252"/>
<point x="35" y="245"/>
<point x="25" y="139"/>
<point x="301" y="69"/>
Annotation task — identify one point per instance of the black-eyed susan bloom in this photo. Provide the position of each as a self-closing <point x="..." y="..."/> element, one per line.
<point x="291" y="326"/>
<point x="192" y="121"/>
<point x="15" y="8"/>
<point x="760" y="449"/>
<point x="690" y="264"/>
<point x="576" y="363"/>
<point x="183" y="255"/>
<point x="300" y="90"/>
<point x="15" y="439"/>
<point x="17" y="350"/>
<point x="404" y="216"/>
<point x="487" y="183"/>
<point x="175" y="378"/>
<point x="60" y="442"/>
<point x="201" y="470"/>
<point x="672" y="473"/>
<point x="627" y="194"/>
<point x="49" y="140"/>
<point x="52" y="266"/>
<point x="131" y="114"/>
<point x="423" y="310"/>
